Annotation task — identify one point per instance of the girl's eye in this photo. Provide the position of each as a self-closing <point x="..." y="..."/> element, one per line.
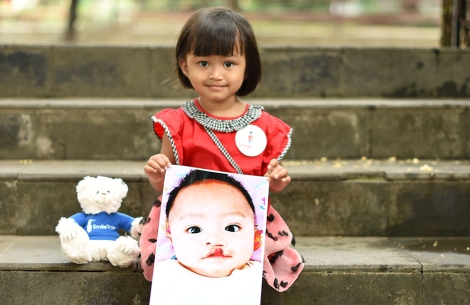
<point x="232" y="228"/>
<point x="228" y="64"/>
<point x="203" y="63"/>
<point x="194" y="230"/>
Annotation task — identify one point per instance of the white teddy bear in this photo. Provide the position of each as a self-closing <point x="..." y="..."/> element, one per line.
<point x="92" y="235"/>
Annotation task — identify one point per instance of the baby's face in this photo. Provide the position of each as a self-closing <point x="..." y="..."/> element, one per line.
<point x="212" y="228"/>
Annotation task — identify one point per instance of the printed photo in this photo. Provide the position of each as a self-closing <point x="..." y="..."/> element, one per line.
<point x="210" y="243"/>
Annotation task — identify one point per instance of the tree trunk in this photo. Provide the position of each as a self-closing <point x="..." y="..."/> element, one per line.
<point x="234" y="5"/>
<point x="446" y="24"/>
<point x="464" y="24"/>
<point x="70" y="34"/>
<point x="454" y="26"/>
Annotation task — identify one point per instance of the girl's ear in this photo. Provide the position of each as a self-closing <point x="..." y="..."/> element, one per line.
<point x="183" y="66"/>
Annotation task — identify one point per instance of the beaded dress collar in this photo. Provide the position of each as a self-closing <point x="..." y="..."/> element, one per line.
<point x="252" y="114"/>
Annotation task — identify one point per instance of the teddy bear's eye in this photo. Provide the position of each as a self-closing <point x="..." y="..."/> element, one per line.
<point x="97" y="192"/>
<point x="109" y="192"/>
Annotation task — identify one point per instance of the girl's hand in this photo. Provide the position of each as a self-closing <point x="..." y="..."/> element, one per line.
<point x="155" y="169"/>
<point x="278" y="176"/>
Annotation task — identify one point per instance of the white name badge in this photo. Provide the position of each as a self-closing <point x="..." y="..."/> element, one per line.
<point x="251" y="140"/>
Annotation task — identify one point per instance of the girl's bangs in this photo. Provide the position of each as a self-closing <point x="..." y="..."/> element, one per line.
<point x="217" y="40"/>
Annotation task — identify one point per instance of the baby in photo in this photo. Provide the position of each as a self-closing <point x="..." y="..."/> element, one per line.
<point x="210" y="228"/>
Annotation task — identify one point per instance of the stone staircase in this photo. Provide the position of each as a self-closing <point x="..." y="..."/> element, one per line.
<point x="380" y="163"/>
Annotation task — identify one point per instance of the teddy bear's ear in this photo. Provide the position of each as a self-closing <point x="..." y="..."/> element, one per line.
<point x="121" y="186"/>
<point x="83" y="184"/>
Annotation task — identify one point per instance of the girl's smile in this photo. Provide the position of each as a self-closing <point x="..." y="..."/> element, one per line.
<point x="216" y="87"/>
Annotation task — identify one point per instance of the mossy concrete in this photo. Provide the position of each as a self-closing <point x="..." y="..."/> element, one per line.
<point x="120" y="71"/>
<point x="106" y="288"/>
<point x="109" y="129"/>
<point x="348" y="198"/>
<point x="338" y="270"/>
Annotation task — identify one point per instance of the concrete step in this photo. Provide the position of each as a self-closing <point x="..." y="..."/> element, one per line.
<point x="347" y="270"/>
<point x="60" y="70"/>
<point x="109" y="129"/>
<point x="338" y="197"/>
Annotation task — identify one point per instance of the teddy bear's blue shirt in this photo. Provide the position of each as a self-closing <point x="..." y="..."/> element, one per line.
<point x="103" y="226"/>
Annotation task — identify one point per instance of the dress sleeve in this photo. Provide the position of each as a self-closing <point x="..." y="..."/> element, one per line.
<point x="170" y="121"/>
<point x="279" y="139"/>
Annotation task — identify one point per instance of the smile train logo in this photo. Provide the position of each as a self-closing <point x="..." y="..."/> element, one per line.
<point x="89" y="227"/>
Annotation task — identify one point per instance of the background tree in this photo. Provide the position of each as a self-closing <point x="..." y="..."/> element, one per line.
<point x="70" y="33"/>
<point x="234" y="4"/>
<point x="455" y="24"/>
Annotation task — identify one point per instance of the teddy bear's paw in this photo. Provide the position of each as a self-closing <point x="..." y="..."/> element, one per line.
<point x="124" y="252"/>
<point x="71" y="238"/>
<point x="70" y="232"/>
<point x="74" y="238"/>
<point x="136" y="228"/>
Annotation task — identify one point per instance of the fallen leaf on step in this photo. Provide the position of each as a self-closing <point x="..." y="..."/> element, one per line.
<point x="426" y="168"/>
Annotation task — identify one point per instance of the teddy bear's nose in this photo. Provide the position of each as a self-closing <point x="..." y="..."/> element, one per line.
<point x="104" y="193"/>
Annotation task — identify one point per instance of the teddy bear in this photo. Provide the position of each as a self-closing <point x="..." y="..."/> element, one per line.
<point x="92" y="235"/>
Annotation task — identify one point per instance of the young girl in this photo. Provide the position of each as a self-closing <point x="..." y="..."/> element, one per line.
<point x="217" y="55"/>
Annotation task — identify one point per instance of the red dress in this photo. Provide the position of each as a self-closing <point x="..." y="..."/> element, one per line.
<point x="189" y="130"/>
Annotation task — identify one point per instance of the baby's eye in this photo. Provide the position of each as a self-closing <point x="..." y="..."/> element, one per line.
<point x="232" y="228"/>
<point x="194" y="230"/>
<point x="203" y="63"/>
<point x="228" y="64"/>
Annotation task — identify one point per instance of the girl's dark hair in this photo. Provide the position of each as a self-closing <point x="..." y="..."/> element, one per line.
<point x="216" y="31"/>
<point x="199" y="175"/>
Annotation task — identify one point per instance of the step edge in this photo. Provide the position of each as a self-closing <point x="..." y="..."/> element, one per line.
<point x="378" y="170"/>
<point x="138" y="103"/>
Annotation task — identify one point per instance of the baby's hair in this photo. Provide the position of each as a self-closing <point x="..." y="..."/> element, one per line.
<point x="198" y="175"/>
<point x="217" y="31"/>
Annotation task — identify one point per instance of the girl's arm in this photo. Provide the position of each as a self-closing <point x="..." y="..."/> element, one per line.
<point x="278" y="176"/>
<point x="157" y="165"/>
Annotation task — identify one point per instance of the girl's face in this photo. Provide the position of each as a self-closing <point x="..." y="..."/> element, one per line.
<point x="216" y="78"/>
<point x="212" y="228"/>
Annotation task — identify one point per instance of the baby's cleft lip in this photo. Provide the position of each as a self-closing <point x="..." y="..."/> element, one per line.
<point x="217" y="253"/>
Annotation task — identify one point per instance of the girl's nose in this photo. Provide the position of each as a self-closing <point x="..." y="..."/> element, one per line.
<point x="215" y="73"/>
